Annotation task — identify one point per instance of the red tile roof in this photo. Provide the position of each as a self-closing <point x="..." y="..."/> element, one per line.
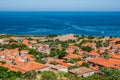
<point x="38" y="45"/>
<point x="81" y="70"/>
<point x="94" y="53"/>
<point x="95" y="68"/>
<point x="61" y="62"/>
<point x="73" y="56"/>
<point x="115" y="56"/>
<point x="115" y="40"/>
<point x="117" y="45"/>
<point x="26" y="51"/>
<point x="105" y="62"/>
<point x="79" y="63"/>
<point x="29" y="66"/>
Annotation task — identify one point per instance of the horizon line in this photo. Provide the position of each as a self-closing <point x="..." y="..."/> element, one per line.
<point x="54" y="11"/>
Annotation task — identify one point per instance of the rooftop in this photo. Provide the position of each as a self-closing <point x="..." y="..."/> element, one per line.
<point x="81" y="70"/>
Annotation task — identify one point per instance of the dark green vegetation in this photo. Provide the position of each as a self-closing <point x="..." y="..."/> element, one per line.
<point x="48" y="75"/>
<point x="6" y="74"/>
<point x="87" y="48"/>
<point x="108" y="74"/>
<point x="57" y="53"/>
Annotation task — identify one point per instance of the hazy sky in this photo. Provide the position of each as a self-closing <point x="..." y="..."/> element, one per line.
<point x="59" y="5"/>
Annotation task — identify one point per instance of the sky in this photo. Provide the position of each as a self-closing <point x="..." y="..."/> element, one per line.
<point x="59" y="5"/>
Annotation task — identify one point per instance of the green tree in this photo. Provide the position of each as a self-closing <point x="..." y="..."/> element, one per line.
<point x="73" y="67"/>
<point x="85" y="64"/>
<point x="98" y="44"/>
<point x="87" y="48"/>
<point x="33" y="52"/>
<point x="106" y="55"/>
<point x="48" y="75"/>
<point x="29" y="75"/>
<point x="54" y="63"/>
<point x="6" y="74"/>
<point x="57" y="53"/>
<point x="111" y="74"/>
<point x="76" y="51"/>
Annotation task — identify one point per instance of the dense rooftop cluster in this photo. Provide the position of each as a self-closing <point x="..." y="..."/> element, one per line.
<point x="81" y="55"/>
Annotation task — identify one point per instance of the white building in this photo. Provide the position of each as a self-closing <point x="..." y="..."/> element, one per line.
<point x="82" y="71"/>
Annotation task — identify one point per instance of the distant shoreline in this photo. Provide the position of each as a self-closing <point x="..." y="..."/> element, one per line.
<point x="40" y="35"/>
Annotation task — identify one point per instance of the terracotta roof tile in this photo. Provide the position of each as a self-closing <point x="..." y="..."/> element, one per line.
<point x="81" y="70"/>
<point x="94" y="53"/>
<point x="79" y="63"/>
<point x="115" y="56"/>
<point x="95" y="68"/>
<point x="105" y="62"/>
<point x="29" y="66"/>
<point x="73" y="56"/>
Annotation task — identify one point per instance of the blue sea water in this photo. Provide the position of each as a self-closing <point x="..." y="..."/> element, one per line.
<point x="82" y="23"/>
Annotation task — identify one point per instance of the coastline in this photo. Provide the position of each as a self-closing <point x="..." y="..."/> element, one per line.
<point x="44" y="35"/>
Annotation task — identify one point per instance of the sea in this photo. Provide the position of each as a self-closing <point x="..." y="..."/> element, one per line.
<point x="59" y="23"/>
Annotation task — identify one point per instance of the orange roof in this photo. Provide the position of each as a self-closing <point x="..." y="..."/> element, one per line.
<point x="0" y="64"/>
<point x="12" y="54"/>
<point x="29" y="66"/>
<point x="30" y="57"/>
<point x="70" y="49"/>
<point x="73" y="56"/>
<point x="115" y="63"/>
<point x="111" y="50"/>
<point x="65" y="64"/>
<point x="25" y="41"/>
<point x="81" y="70"/>
<point x="99" y="61"/>
<point x="38" y="45"/>
<point x="7" y="57"/>
<point x="11" y="67"/>
<point x="17" y="58"/>
<point x="19" y="62"/>
<point x="73" y="47"/>
<point x="1" y="54"/>
<point x="25" y="67"/>
<point x="117" y="45"/>
<point x="104" y="62"/>
<point x="94" y="53"/>
<point x="95" y="68"/>
<point x="86" y="44"/>
<point x="4" y="39"/>
<point x="115" y="56"/>
<point x="58" y="60"/>
<point x="115" y="40"/>
<point x="24" y="51"/>
<point x="102" y="48"/>
<point x="28" y="45"/>
<point x="61" y="62"/>
<point x="114" y="60"/>
<point x="79" y="63"/>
